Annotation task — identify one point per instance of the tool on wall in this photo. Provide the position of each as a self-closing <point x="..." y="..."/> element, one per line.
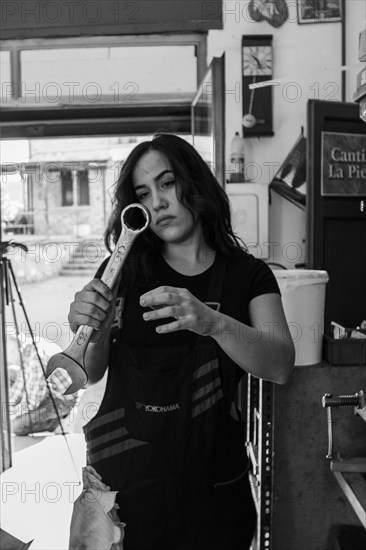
<point x="275" y="12"/>
<point x="357" y="401"/>
<point x="343" y="468"/>
<point x="135" y="218"/>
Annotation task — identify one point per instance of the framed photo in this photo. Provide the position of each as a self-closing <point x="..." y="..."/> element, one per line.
<point x="319" y="11"/>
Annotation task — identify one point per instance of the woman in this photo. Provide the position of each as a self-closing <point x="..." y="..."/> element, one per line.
<point x="199" y="313"/>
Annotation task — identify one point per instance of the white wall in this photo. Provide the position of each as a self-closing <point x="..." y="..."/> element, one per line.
<point x="307" y="61"/>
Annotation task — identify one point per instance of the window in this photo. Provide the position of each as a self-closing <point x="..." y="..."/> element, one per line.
<point x="74" y="187"/>
<point x="66" y="188"/>
<point x="5" y="74"/>
<point x="82" y="187"/>
<point x="96" y="70"/>
<point x="122" y="74"/>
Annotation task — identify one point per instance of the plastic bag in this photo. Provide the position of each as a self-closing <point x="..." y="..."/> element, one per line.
<point x="95" y="524"/>
<point x="8" y="542"/>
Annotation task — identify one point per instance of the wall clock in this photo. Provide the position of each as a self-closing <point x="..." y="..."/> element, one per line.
<point x="257" y="54"/>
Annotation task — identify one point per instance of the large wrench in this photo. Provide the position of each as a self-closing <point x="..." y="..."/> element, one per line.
<point x="72" y="358"/>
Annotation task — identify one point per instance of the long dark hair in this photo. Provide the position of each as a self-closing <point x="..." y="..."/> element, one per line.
<point x="197" y="189"/>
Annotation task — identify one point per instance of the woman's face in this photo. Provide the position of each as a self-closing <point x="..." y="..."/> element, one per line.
<point x="155" y="185"/>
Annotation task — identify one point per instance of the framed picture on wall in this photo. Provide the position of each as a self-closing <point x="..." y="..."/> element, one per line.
<point x="319" y="11"/>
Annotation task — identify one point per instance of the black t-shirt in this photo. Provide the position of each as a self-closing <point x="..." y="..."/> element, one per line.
<point x="246" y="277"/>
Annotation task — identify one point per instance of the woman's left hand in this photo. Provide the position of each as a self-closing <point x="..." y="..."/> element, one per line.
<point x="189" y="312"/>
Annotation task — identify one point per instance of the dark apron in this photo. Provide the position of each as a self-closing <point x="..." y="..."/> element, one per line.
<point x="164" y="438"/>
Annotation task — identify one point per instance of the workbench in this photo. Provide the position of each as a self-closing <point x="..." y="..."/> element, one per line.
<point x="298" y="498"/>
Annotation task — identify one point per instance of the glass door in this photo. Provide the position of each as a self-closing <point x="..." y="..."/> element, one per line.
<point x="208" y="118"/>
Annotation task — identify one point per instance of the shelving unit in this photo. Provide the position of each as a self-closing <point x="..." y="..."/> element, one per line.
<point x="349" y="472"/>
<point x="260" y="451"/>
<point x="297" y="497"/>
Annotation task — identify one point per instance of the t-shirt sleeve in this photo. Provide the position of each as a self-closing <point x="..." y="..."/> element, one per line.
<point x="262" y="278"/>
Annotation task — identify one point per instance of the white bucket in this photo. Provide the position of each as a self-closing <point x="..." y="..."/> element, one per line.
<point x="303" y="298"/>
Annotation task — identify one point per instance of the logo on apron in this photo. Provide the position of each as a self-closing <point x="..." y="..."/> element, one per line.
<point x="158" y="408"/>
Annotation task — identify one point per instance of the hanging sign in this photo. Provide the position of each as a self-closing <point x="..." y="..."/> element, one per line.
<point x="343" y="164"/>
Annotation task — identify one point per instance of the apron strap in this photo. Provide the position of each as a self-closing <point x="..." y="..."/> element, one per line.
<point x="217" y="281"/>
<point x="228" y="373"/>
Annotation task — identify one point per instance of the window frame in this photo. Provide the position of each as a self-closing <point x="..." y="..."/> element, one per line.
<point x="163" y="112"/>
<point x="79" y="188"/>
<point x="15" y="47"/>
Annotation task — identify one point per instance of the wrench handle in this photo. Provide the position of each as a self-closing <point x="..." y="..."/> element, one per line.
<point x="72" y="359"/>
<point x="118" y="256"/>
<point x="330" y="433"/>
<point x="111" y="272"/>
<point x="113" y="268"/>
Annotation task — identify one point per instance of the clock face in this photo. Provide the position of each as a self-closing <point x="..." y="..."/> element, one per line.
<point x="257" y="60"/>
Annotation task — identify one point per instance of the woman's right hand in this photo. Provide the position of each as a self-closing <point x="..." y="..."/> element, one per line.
<point x="94" y="306"/>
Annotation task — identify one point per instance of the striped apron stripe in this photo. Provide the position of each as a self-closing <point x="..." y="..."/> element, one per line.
<point x="206" y="368"/>
<point x="110" y="436"/>
<point x="116" y="449"/>
<point x="106" y="418"/>
<point x="206" y="389"/>
<point x="207" y="404"/>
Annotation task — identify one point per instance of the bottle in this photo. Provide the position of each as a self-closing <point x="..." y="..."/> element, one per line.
<point x="237" y="159"/>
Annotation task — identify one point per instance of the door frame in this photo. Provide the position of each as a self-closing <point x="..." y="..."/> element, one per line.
<point x="321" y="115"/>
